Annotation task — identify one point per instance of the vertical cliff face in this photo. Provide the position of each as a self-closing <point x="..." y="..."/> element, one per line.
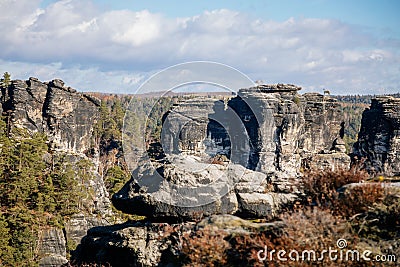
<point x="65" y="116"/>
<point x="185" y="126"/>
<point x="289" y="131"/>
<point x="379" y="137"/>
<point x="323" y="118"/>
<point x="283" y="129"/>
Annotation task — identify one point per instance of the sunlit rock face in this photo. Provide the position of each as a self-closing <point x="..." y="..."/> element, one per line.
<point x="379" y="138"/>
<point x="65" y="116"/>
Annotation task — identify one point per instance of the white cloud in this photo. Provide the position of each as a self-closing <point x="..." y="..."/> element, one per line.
<point x="76" y="40"/>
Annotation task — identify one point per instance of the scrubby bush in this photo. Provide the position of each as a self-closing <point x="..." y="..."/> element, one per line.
<point x="332" y="190"/>
<point x="309" y="229"/>
<point x="205" y="248"/>
<point x="321" y="188"/>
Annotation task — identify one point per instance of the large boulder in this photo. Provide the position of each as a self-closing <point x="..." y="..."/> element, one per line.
<point x="130" y="244"/>
<point x="188" y="189"/>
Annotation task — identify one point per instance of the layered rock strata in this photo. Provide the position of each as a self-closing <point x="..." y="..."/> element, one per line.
<point x="156" y="244"/>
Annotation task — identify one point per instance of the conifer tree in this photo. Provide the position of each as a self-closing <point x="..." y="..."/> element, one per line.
<point x="6" y="80"/>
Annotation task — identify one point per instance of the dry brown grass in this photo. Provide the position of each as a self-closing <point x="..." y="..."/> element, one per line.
<point x="205" y="248"/>
<point x="327" y="215"/>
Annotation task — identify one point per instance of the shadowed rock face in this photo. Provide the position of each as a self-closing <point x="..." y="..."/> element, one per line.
<point x="281" y="128"/>
<point x="65" y="116"/>
<point x="379" y="138"/>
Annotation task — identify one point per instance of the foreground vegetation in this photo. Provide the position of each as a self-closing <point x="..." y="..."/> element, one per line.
<point x="366" y="216"/>
<point x="336" y="207"/>
<point x="37" y="190"/>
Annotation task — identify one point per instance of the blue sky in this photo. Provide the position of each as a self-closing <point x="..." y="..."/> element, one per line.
<point x="113" y="46"/>
<point x="375" y="14"/>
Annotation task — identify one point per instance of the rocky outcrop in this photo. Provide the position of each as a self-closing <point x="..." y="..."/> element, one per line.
<point x="268" y="133"/>
<point x="67" y="117"/>
<point x="155" y="244"/>
<point x="78" y="225"/>
<point x="379" y="137"/>
<point x="130" y="244"/>
<point x="282" y="128"/>
<point x="268" y="128"/>
<point x="323" y="117"/>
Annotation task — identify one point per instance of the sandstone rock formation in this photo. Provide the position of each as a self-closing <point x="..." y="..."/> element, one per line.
<point x="67" y="118"/>
<point x="129" y="244"/>
<point x="190" y="189"/>
<point x="268" y="132"/>
<point x="282" y="128"/>
<point x="379" y="138"/>
<point x="64" y="115"/>
<point x="52" y="251"/>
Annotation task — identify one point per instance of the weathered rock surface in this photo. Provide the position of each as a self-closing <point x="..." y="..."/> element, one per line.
<point x="268" y="128"/>
<point x="78" y="225"/>
<point x="67" y="117"/>
<point x="331" y="161"/>
<point x="130" y="244"/>
<point x="379" y="138"/>
<point x="52" y="249"/>
<point x="189" y="189"/>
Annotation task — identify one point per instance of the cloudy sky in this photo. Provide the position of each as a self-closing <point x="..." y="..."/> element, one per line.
<point x="114" y="46"/>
